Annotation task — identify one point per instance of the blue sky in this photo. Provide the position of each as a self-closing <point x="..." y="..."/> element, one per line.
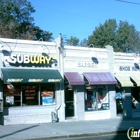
<point x="80" y="17"/>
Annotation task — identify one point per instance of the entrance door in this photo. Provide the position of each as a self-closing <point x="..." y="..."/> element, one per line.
<point x="119" y="101"/>
<point x="69" y="102"/>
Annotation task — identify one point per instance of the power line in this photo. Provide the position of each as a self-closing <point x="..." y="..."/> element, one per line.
<point x="73" y="14"/>
<point x="80" y="15"/>
<point x="128" y="2"/>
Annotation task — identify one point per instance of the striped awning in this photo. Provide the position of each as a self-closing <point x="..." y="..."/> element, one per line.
<point x="136" y="79"/>
<point x="124" y="80"/>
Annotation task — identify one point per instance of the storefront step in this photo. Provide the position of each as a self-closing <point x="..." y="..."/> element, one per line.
<point x="71" y="119"/>
<point x="27" y="119"/>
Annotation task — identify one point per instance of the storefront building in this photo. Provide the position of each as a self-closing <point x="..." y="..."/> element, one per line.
<point x="81" y="83"/>
<point x="31" y="82"/>
<point x="89" y="83"/>
<point x="127" y="73"/>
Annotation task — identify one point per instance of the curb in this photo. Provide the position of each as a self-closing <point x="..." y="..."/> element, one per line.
<point x="77" y="135"/>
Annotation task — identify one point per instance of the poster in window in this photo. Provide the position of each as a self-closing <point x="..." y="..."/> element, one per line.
<point x="10" y="100"/>
<point x="47" y="100"/>
<point x="47" y="97"/>
<point x="11" y="92"/>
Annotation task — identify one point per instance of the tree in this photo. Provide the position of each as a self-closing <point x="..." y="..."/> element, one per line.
<point x="122" y="37"/>
<point x="127" y="37"/>
<point x="72" y="41"/>
<point x="104" y="34"/>
<point x="45" y="35"/>
<point x="16" y="20"/>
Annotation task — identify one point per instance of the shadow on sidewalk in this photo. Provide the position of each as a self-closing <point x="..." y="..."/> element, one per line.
<point x="3" y="136"/>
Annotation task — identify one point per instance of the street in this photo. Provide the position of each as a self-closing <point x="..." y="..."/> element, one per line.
<point x="121" y="136"/>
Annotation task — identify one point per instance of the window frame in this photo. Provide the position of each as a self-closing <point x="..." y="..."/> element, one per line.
<point x="38" y="94"/>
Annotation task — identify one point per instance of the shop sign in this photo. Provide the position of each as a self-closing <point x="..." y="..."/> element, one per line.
<point x="128" y="68"/>
<point x="14" y="80"/>
<point x="54" y="80"/>
<point x="35" y="80"/>
<point x="33" y="59"/>
<point x="87" y="64"/>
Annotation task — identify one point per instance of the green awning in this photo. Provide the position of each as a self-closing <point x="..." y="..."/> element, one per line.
<point x="30" y="75"/>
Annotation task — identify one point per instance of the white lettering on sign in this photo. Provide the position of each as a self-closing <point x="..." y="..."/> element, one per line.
<point x="33" y="59"/>
<point x="128" y="68"/>
<point x="35" y="80"/>
<point x="124" y="68"/>
<point x="87" y="64"/>
<point x="14" y="80"/>
<point x="54" y="80"/>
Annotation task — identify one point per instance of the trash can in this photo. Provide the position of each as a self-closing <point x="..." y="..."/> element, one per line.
<point x="54" y="116"/>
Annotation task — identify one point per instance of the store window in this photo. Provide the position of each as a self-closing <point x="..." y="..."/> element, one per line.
<point x="29" y="94"/>
<point x="12" y="96"/>
<point x="96" y="98"/>
<point x="135" y="98"/>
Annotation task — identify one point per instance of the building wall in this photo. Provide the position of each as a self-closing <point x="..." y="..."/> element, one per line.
<point x="79" y="103"/>
<point x="85" y="59"/>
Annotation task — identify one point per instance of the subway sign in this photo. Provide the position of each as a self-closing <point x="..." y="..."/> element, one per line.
<point x="26" y="59"/>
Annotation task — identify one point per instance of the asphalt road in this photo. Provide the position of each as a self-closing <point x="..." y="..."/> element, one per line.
<point x="121" y="136"/>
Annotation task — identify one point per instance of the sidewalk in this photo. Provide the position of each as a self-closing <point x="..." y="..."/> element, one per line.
<point x="66" y="129"/>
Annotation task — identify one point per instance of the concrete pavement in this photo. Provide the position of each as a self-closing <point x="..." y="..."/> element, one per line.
<point x="66" y="129"/>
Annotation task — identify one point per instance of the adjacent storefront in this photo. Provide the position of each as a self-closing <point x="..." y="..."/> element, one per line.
<point x="31" y="81"/>
<point x="127" y="73"/>
<point x="89" y="84"/>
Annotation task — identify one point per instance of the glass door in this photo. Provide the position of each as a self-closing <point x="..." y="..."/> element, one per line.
<point x="69" y="103"/>
<point x="119" y="101"/>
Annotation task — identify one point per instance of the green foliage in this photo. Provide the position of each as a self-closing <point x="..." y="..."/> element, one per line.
<point x="121" y="37"/>
<point x="127" y="37"/>
<point x="45" y="35"/>
<point x="72" y="41"/>
<point x="16" y="21"/>
<point x="104" y="34"/>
